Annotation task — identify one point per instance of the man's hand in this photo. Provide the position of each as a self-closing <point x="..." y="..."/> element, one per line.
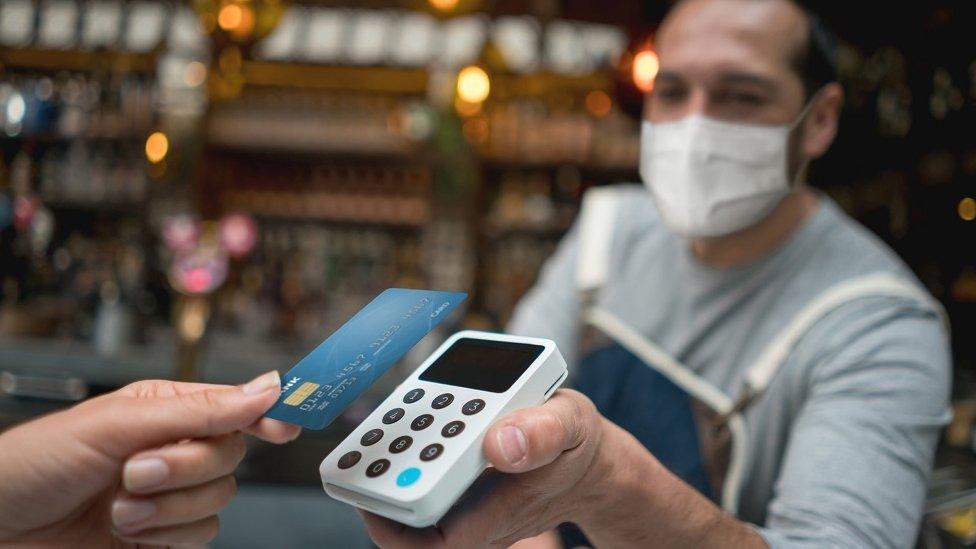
<point x="555" y="448"/>
<point x="151" y="463"/>
<point x="571" y="464"/>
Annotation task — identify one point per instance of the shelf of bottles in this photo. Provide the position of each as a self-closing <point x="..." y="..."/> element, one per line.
<point x="344" y="198"/>
<point x="74" y="254"/>
<point x="538" y="157"/>
<point x="333" y="234"/>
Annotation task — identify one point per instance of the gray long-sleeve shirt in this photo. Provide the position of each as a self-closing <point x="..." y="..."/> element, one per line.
<point x="841" y="444"/>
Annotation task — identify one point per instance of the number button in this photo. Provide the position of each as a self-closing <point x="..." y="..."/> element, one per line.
<point x="377" y="468"/>
<point x="442" y="401"/>
<point x="431" y="452"/>
<point x="349" y="459"/>
<point x="422" y="422"/>
<point x="452" y="429"/>
<point x="393" y="416"/>
<point x="372" y="437"/>
<point x="400" y="444"/>
<point x="413" y="396"/>
<point x="473" y="407"/>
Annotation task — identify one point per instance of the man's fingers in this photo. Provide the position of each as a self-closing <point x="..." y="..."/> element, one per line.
<point x="123" y="425"/>
<point x="272" y="430"/>
<point x="388" y="534"/>
<point x="530" y="438"/>
<point x="132" y="514"/>
<point x="199" y="532"/>
<point x="180" y="465"/>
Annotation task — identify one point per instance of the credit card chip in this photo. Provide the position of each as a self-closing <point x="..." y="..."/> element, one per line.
<point x="301" y="393"/>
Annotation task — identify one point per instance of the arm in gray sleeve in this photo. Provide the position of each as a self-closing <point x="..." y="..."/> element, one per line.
<point x="861" y="449"/>
<point x="551" y="308"/>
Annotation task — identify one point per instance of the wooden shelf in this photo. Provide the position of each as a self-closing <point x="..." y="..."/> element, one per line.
<point x="495" y="163"/>
<point x="375" y="79"/>
<point x="234" y="129"/>
<point x="303" y="206"/>
<point x="551" y="231"/>
<point x="78" y="60"/>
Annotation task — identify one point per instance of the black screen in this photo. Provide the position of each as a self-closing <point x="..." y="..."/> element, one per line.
<point x="483" y="365"/>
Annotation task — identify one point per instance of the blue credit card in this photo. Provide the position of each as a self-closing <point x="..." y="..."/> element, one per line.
<point x="317" y="389"/>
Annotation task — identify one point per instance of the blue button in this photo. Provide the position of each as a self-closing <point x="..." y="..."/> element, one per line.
<point x="408" y="477"/>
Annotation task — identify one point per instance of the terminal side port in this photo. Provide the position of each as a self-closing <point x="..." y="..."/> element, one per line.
<point x="362" y="500"/>
<point x="552" y="387"/>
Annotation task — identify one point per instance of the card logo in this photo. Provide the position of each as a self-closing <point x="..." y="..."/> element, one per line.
<point x="290" y="383"/>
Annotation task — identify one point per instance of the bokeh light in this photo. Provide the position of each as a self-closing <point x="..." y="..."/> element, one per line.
<point x="644" y="71"/>
<point x="444" y="5"/>
<point x="598" y="103"/>
<point x="967" y="209"/>
<point x="157" y="145"/>
<point x="230" y="17"/>
<point x="194" y="74"/>
<point x="473" y="85"/>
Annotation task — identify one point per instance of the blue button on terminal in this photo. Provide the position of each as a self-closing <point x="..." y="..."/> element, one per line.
<point x="408" y="477"/>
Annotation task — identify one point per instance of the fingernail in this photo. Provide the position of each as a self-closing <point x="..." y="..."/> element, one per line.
<point x="143" y="473"/>
<point x="126" y="512"/>
<point x="262" y="383"/>
<point x="511" y="441"/>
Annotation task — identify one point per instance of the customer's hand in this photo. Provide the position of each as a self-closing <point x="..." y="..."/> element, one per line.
<point x="561" y="451"/>
<point x="150" y="463"/>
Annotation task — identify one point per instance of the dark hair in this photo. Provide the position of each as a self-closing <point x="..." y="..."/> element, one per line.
<point x="816" y="62"/>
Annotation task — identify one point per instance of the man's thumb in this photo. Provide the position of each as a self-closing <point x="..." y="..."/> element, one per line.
<point x="121" y="426"/>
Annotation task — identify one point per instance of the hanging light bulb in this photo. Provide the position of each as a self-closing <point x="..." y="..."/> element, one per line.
<point x="444" y="5"/>
<point x="644" y="69"/>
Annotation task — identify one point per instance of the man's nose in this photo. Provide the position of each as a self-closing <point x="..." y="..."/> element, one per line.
<point x="697" y="103"/>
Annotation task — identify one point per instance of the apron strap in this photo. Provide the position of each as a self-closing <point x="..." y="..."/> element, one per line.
<point x="658" y="358"/>
<point x="597" y="218"/>
<point x="761" y="374"/>
<point x="879" y="284"/>
<point x="655" y="357"/>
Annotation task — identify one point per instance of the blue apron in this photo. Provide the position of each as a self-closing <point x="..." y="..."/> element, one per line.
<point x="657" y="412"/>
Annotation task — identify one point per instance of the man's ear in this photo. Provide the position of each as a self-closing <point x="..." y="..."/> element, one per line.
<point x="820" y="126"/>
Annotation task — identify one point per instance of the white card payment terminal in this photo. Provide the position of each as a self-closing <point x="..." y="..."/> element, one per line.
<point x="417" y="453"/>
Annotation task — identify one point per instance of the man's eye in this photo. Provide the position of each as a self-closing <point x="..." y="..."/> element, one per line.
<point x="741" y="97"/>
<point x="669" y="94"/>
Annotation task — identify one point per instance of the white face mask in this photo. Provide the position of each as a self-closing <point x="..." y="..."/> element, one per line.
<point x="713" y="178"/>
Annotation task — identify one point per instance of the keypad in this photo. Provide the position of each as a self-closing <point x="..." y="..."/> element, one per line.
<point x="400" y="444"/>
<point x="393" y="416"/>
<point x="442" y="401"/>
<point x="431" y="452"/>
<point x="422" y="422"/>
<point x="447" y="427"/>
<point x="349" y="459"/>
<point x="371" y="437"/>
<point x="473" y="406"/>
<point x="377" y="468"/>
<point x="413" y="396"/>
<point x="452" y="429"/>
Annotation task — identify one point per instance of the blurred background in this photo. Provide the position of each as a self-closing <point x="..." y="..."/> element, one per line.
<point x="207" y="189"/>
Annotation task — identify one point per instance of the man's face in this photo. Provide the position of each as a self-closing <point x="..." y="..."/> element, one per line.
<point x="729" y="60"/>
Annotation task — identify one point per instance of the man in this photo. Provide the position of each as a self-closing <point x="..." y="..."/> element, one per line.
<point x="746" y="344"/>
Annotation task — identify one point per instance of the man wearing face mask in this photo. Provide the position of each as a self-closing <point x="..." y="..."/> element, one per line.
<point x="754" y="368"/>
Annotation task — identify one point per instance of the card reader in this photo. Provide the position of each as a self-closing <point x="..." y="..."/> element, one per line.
<point x="417" y="453"/>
